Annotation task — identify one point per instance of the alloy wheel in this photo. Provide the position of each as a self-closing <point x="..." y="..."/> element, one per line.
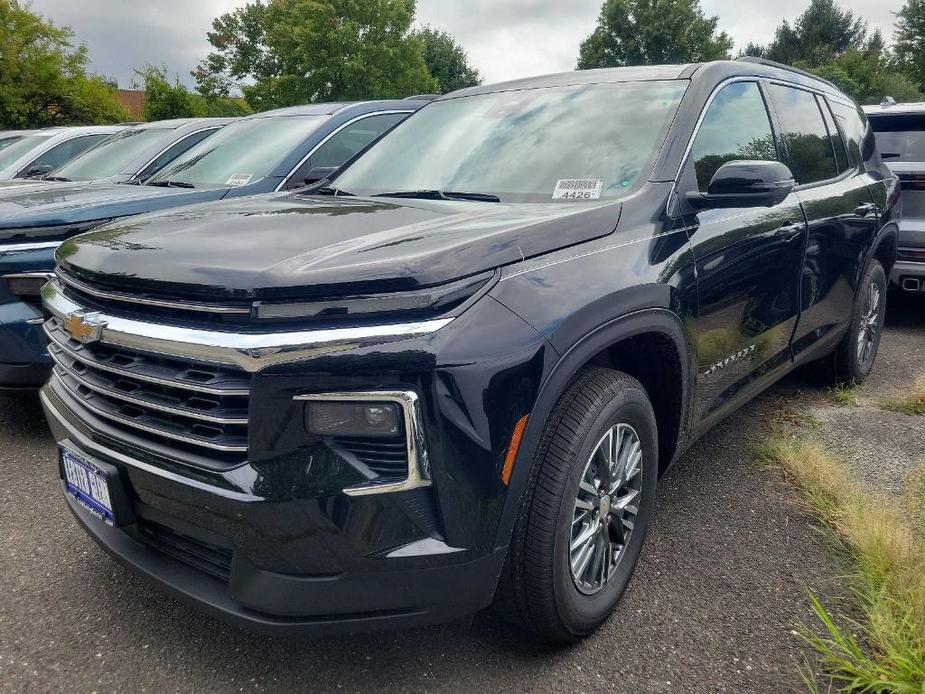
<point x="606" y="507"/>
<point x="870" y="323"/>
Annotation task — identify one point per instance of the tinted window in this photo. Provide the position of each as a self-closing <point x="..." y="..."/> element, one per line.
<point x="858" y="134"/>
<point x="111" y="157"/>
<point x="736" y="127"/>
<point x="838" y="144"/>
<point x="521" y="145"/>
<point x="174" y="151"/>
<point x="809" y="149"/>
<point x="900" y="138"/>
<point x="63" y="153"/>
<point x="241" y="153"/>
<point x="20" y="147"/>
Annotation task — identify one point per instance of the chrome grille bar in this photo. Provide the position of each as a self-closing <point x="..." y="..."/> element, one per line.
<point x="83" y="380"/>
<point x="60" y="341"/>
<point x="157" y="431"/>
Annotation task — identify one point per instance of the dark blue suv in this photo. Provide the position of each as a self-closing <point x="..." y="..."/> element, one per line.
<point x="267" y="152"/>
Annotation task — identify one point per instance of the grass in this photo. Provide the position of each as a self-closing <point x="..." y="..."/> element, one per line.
<point x="882" y="649"/>
<point x="912" y="403"/>
<point x="846" y="395"/>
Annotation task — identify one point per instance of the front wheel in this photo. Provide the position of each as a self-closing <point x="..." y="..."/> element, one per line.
<point x="858" y="350"/>
<point x="585" y="512"/>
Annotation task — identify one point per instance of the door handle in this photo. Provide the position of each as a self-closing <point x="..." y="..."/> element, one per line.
<point x="865" y="210"/>
<point x="790" y="232"/>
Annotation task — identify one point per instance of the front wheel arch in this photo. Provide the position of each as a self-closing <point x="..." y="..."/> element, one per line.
<point x="585" y="352"/>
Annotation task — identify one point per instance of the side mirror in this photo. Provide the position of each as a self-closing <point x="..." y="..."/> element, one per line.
<point x="36" y="171"/>
<point x="746" y="184"/>
<point x="319" y="173"/>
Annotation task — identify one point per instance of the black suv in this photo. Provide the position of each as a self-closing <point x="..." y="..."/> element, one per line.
<point x="453" y="373"/>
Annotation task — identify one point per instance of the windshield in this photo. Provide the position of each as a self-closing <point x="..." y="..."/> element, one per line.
<point x="7" y="141"/>
<point x="583" y="142"/>
<point x="240" y="153"/>
<point x="114" y="155"/>
<point x="9" y="155"/>
<point x="900" y="138"/>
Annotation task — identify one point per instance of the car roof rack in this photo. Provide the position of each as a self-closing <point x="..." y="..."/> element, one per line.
<point x="782" y="66"/>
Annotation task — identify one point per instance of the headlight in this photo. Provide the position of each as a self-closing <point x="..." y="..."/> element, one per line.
<point x="61" y="231"/>
<point x="423" y="302"/>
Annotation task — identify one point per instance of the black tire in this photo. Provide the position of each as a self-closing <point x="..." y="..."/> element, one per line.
<point x="537" y="590"/>
<point x="851" y="365"/>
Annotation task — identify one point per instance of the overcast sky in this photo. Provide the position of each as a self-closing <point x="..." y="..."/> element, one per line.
<point x="505" y="39"/>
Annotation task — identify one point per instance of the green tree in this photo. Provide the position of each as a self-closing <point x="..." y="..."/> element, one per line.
<point x="447" y="61"/>
<point x="285" y="52"/>
<point x="43" y="76"/>
<point x="648" y="32"/>
<point x="164" y="99"/>
<point x="910" y="39"/>
<point x="867" y="77"/>
<point x="821" y="34"/>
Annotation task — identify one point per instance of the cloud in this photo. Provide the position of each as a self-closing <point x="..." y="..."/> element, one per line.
<point x="505" y="40"/>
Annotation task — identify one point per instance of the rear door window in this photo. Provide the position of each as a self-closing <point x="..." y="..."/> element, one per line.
<point x="810" y="154"/>
<point x="736" y="127"/>
<point x="900" y="137"/>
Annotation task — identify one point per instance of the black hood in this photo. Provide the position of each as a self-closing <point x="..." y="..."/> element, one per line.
<point x="292" y="246"/>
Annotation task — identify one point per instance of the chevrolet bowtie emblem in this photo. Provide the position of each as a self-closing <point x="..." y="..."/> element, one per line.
<point x="84" y="326"/>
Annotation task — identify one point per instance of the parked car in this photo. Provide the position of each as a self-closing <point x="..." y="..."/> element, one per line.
<point x="132" y="155"/>
<point x="453" y="373"/>
<point x="8" y="137"/>
<point x="270" y="151"/>
<point x="900" y="131"/>
<point x="42" y="151"/>
<point x="135" y="154"/>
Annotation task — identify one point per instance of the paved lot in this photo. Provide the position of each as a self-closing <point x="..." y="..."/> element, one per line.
<point x="720" y="587"/>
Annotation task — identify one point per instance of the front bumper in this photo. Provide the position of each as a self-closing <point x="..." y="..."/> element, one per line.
<point x="426" y="583"/>
<point x="24" y="361"/>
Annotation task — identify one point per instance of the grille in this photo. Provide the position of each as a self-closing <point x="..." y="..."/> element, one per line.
<point x="387" y="458"/>
<point x="171" y="403"/>
<point x="210" y="559"/>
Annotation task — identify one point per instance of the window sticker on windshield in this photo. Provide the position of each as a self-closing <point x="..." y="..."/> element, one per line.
<point x="239" y="180"/>
<point x="578" y="189"/>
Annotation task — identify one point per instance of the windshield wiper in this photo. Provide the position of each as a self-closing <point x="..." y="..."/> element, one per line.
<point x="327" y="190"/>
<point x="63" y="179"/>
<point x="171" y="184"/>
<point x="440" y="195"/>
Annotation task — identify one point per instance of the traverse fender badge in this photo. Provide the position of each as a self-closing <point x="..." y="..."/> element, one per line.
<point x="85" y="326"/>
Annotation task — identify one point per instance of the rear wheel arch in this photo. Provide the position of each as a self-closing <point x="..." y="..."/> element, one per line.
<point x="884" y="249"/>
<point x="624" y="344"/>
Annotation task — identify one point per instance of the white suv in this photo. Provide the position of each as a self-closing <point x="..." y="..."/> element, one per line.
<point x="900" y="130"/>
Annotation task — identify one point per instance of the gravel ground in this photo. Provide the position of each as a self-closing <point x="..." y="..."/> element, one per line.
<point x="883" y="447"/>
<point x="720" y="587"/>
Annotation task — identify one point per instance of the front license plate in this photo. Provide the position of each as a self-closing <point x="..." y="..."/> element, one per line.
<point x="88" y="485"/>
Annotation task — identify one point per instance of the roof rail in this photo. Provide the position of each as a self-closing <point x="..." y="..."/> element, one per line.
<point x="788" y="68"/>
